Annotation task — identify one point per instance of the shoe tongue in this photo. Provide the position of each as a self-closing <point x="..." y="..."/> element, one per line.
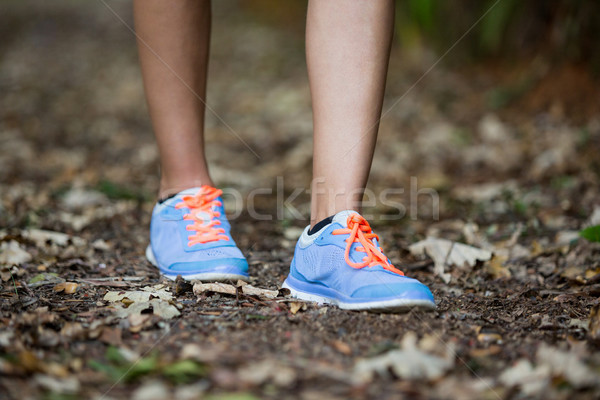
<point x="342" y="217"/>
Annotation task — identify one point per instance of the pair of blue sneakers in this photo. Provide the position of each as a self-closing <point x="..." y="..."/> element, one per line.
<point x="341" y="264"/>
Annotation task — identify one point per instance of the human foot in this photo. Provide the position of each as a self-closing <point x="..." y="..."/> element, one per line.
<point x="189" y="236"/>
<point x="342" y="264"/>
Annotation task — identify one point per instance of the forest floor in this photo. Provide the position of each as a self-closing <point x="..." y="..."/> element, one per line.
<point x="504" y="160"/>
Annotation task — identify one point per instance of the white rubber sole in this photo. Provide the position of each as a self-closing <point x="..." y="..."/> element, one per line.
<point x="394" y="305"/>
<point x="204" y="276"/>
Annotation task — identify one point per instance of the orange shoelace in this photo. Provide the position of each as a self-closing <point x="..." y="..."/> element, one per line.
<point x="360" y="232"/>
<point x="203" y="203"/>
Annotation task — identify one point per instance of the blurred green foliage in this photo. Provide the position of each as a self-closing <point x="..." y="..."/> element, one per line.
<point x="591" y="233"/>
<point x="557" y="29"/>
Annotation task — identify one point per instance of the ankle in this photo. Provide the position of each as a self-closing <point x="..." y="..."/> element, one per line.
<point x="170" y="187"/>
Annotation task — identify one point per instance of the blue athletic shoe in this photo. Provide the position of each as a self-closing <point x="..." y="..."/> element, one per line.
<point x="342" y="264"/>
<point x="189" y="236"/>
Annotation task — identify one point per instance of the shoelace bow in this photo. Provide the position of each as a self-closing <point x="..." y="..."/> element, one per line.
<point x="360" y="232"/>
<point x="203" y="202"/>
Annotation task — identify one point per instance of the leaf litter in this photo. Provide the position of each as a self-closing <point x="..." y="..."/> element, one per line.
<point x="516" y="187"/>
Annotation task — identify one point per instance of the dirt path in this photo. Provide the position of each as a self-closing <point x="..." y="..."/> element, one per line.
<point x="83" y="314"/>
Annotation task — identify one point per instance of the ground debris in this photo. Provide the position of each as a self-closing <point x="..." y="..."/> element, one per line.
<point x="132" y="303"/>
<point x="444" y="253"/>
<point x="78" y="183"/>
<point x="551" y="364"/>
<point x="268" y="370"/>
<point x="11" y="254"/>
<point x="245" y="288"/>
<point x="409" y="362"/>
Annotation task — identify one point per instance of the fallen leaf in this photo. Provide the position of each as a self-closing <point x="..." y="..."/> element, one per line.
<point x="591" y="233"/>
<point x="594" y="324"/>
<point x="496" y="268"/>
<point x="254" y="291"/>
<point x="564" y="238"/>
<point x="184" y="371"/>
<point x="409" y="362"/>
<point x="43" y="237"/>
<point x="6" y="338"/>
<point x="296" y="306"/>
<point x="342" y="347"/>
<point x="152" y="390"/>
<point x="445" y="253"/>
<point x="111" y="336"/>
<point x="159" y="307"/>
<point x="139" y="295"/>
<point x="205" y="354"/>
<point x="226" y="288"/>
<point x="267" y="371"/>
<point x="551" y="363"/>
<point x="488" y="335"/>
<point x="531" y="380"/>
<point x="66" y="287"/>
<point x="216" y="287"/>
<point x="72" y="331"/>
<point x="594" y="218"/>
<point x="68" y="385"/>
<point x="101" y="245"/>
<point x="12" y="254"/>
<point x="568" y="365"/>
<point x="78" y="198"/>
<point x="155" y="297"/>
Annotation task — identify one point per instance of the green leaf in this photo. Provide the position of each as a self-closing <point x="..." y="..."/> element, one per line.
<point x="112" y="372"/>
<point x="42" y="277"/>
<point x="114" y="355"/>
<point x="144" y="366"/>
<point x="120" y="369"/>
<point x="257" y="316"/>
<point x="591" y="233"/>
<point x="184" y="371"/>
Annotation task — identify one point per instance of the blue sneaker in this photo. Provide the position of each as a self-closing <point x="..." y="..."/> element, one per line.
<point x="189" y="236"/>
<point x="342" y="264"/>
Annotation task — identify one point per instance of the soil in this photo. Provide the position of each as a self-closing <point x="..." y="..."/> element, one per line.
<point x="517" y="176"/>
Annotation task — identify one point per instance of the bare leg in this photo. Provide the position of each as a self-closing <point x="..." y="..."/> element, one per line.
<point x="173" y="46"/>
<point x="347" y="51"/>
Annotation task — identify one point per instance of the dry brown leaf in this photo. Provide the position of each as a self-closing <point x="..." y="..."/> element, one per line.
<point x="72" y="330"/>
<point x="410" y="362"/>
<point x="268" y="370"/>
<point x="496" y="269"/>
<point x="594" y="324"/>
<point x="216" y="287"/>
<point x="139" y="295"/>
<point x="445" y="253"/>
<point x="12" y="254"/>
<point x="66" y="287"/>
<point x="488" y="335"/>
<point x="342" y="347"/>
<point x="251" y="290"/>
<point x="226" y="288"/>
<point x="155" y="297"/>
<point x="295" y="306"/>
<point x="111" y="336"/>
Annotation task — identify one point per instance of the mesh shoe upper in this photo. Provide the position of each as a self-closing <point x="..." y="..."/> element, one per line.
<point x="191" y="237"/>
<point x="327" y="263"/>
